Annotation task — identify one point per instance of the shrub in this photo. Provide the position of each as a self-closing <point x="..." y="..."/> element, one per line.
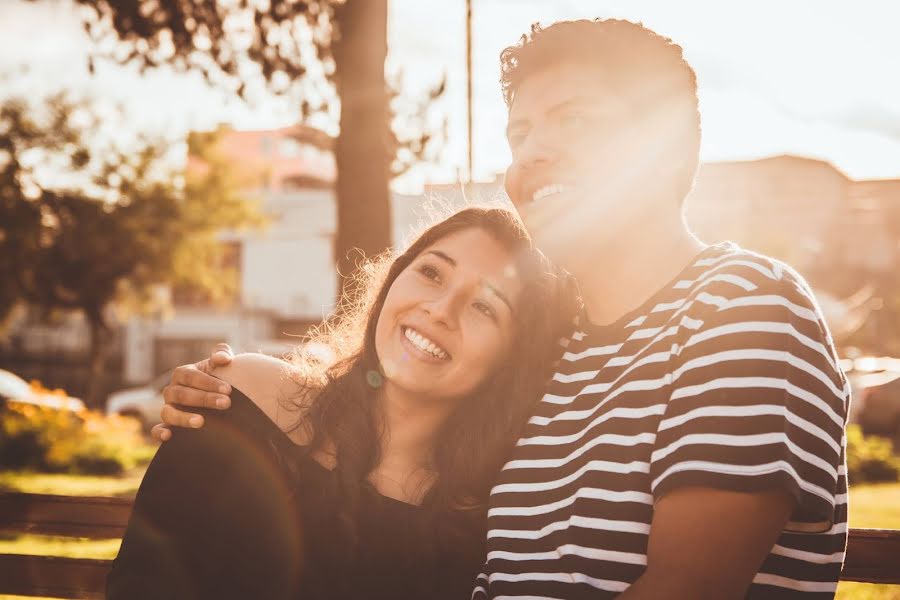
<point x="870" y="458"/>
<point x="60" y="441"/>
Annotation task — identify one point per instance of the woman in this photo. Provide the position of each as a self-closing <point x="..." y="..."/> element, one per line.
<point x="368" y="477"/>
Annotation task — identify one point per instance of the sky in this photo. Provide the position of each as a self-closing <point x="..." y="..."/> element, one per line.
<point x="816" y="78"/>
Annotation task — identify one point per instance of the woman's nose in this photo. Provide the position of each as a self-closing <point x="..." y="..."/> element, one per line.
<point x="444" y="308"/>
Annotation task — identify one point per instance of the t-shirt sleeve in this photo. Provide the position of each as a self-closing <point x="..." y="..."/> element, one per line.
<point x="212" y="518"/>
<point x="757" y="401"/>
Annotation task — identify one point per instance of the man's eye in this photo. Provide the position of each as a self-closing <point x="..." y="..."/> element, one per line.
<point x="573" y="121"/>
<point x="515" y="139"/>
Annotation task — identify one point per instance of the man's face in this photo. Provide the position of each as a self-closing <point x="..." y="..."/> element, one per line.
<point x="578" y="155"/>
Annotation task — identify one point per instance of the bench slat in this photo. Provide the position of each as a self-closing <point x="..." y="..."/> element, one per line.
<point x="873" y="555"/>
<point x="53" y="576"/>
<point x="69" y="516"/>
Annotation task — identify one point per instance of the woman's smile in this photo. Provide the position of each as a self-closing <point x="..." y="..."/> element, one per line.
<point x="421" y="345"/>
<point x="447" y="320"/>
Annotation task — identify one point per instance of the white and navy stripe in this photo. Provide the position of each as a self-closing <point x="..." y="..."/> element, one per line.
<point x="725" y="378"/>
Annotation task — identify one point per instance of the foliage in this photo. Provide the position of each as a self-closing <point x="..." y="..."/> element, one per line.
<point x="59" y="441"/>
<point x="85" y="225"/>
<point x="288" y="47"/>
<point x="870" y="458"/>
<point x="327" y="54"/>
<point x="280" y="43"/>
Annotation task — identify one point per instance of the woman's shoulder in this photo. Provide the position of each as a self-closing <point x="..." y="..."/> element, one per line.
<point x="272" y="384"/>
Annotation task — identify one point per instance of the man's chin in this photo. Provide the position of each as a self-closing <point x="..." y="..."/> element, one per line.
<point x="564" y="232"/>
<point x="542" y="216"/>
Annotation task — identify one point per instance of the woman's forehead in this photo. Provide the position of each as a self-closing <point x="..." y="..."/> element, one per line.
<point x="475" y="251"/>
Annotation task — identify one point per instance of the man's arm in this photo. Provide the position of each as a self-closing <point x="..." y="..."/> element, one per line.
<point x="750" y="444"/>
<point x="709" y="543"/>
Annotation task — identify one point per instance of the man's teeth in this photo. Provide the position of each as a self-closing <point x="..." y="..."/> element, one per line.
<point x="423" y="343"/>
<point x="548" y="190"/>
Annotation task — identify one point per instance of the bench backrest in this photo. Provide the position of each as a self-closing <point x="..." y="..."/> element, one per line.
<point x="873" y="555"/>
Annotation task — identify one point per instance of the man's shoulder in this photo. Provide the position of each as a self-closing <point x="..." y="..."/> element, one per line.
<point x="730" y="272"/>
<point x="741" y="289"/>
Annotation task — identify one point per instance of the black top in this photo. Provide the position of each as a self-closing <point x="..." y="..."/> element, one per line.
<point x="237" y="510"/>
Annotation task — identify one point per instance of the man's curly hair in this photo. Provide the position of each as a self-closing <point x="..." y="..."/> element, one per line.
<point x="643" y="68"/>
<point x="636" y="60"/>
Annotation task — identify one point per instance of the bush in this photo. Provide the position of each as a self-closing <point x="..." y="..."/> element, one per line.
<point x="870" y="458"/>
<point x="59" y="441"/>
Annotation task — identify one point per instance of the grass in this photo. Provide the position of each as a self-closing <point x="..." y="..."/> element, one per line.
<point x="72" y="485"/>
<point x="875" y="506"/>
<point x="46" y="545"/>
<point x="857" y="591"/>
<point x="870" y="506"/>
<point x="64" y="485"/>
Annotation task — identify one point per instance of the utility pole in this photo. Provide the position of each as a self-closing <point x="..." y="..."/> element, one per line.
<point x="469" y="86"/>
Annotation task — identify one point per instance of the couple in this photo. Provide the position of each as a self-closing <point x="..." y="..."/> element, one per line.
<point x="685" y="442"/>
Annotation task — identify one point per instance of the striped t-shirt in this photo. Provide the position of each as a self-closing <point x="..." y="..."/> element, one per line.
<point x="725" y="378"/>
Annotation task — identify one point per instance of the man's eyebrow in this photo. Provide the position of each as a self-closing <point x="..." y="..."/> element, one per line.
<point x="577" y="101"/>
<point x="516" y="124"/>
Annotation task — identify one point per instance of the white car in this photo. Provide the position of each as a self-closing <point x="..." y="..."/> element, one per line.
<point x="13" y="387"/>
<point x="142" y="403"/>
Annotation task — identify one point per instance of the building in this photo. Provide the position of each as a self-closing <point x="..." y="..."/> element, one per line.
<point x="838" y="232"/>
<point x="842" y="235"/>
<point x="802" y="210"/>
<point x="287" y="275"/>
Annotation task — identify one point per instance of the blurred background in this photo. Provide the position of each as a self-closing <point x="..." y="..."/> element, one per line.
<point x="179" y="173"/>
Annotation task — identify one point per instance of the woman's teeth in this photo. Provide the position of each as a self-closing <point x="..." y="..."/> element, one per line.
<point x="423" y="343"/>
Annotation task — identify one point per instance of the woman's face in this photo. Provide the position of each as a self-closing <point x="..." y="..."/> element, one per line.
<point x="448" y="319"/>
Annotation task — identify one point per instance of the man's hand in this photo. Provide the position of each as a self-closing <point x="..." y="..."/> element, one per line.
<point x="193" y="385"/>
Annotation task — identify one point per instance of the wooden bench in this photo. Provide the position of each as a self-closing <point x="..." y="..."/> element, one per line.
<point x="873" y="555"/>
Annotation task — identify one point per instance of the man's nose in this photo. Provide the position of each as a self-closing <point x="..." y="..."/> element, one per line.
<point x="537" y="149"/>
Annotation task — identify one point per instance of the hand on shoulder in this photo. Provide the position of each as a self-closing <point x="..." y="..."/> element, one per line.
<point x="266" y="380"/>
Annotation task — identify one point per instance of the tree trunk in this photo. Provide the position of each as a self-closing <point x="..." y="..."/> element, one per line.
<point x="362" y="148"/>
<point x="97" y="363"/>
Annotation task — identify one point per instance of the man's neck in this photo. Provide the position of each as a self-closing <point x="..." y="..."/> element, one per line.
<point x="623" y="273"/>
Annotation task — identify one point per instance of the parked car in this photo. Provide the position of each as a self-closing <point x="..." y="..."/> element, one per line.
<point x="16" y="389"/>
<point x="879" y="405"/>
<point x="142" y="402"/>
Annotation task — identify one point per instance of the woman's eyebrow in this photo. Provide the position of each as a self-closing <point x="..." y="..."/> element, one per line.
<point x="492" y="288"/>
<point x="496" y="291"/>
<point x="442" y="256"/>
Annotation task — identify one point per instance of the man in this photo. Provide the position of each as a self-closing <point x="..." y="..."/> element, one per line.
<point x="691" y="443"/>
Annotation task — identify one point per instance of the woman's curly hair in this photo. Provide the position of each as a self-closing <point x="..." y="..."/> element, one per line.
<point x="337" y="399"/>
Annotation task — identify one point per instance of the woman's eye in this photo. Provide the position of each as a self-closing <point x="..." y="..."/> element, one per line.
<point x="485" y="309"/>
<point x="429" y="272"/>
